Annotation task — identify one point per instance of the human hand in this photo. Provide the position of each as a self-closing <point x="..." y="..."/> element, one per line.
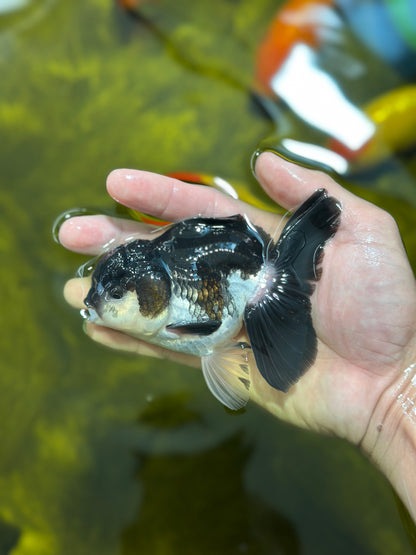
<point x="363" y="308"/>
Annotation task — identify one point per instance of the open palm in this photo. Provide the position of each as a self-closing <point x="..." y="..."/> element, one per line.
<point x="363" y="308"/>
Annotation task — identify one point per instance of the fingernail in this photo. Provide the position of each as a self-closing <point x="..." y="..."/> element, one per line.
<point x="64" y="217"/>
<point x="253" y="160"/>
<point x="261" y="150"/>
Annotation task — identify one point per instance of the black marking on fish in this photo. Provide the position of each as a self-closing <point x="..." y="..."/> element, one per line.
<point x="153" y="293"/>
<point x="200" y="253"/>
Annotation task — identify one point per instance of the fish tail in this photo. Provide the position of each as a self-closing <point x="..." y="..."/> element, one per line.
<point x="279" y="323"/>
<point x="301" y="243"/>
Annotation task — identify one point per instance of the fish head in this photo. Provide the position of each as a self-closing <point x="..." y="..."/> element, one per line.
<point x="128" y="294"/>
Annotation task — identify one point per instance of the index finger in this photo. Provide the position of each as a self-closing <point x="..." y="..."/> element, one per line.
<point x="171" y="199"/>
<point x="289" y="184"/>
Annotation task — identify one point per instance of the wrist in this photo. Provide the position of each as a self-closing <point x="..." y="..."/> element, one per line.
<point x="390" y="438"/>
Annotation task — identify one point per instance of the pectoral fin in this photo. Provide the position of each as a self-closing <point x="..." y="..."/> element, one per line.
<point x="195" y="328"/>
<point x="227" y="375"/>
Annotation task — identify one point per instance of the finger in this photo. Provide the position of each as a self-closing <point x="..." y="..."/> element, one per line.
<point x="94" y="234"/>
<point x="76" y="290"/>
<point x="171" y="199"/>
<point x="164" y="197"/>
<point x="290" y="185"/>
<point x="122" y="342"/>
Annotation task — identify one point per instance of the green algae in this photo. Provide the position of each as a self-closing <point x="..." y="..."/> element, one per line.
<point x="103" y="453"/>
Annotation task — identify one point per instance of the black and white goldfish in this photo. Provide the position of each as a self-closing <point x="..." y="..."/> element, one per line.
<point x="191" y="288"/>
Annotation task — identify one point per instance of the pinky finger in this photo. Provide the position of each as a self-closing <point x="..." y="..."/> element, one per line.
<point x="122" y="342"/>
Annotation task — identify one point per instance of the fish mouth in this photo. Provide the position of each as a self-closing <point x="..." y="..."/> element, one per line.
<point x="91" y="301"/>
<point x="90" y="314"/>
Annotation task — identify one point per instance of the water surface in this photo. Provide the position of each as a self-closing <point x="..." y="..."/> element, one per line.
<point x="103" y="453"/>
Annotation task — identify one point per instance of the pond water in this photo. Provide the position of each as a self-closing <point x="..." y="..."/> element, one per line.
<point x="104" y="453"/>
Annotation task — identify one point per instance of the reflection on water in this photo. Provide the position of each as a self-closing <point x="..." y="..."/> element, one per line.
<point x="106" y="453"/>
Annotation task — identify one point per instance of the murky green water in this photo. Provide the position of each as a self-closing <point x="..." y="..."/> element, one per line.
<point x="103" y="453"/>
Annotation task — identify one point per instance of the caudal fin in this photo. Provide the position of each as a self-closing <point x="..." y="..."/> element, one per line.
<point x="279" y="324"/>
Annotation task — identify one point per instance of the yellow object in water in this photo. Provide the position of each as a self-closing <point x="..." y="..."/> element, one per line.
<point x="394" y="115"/>
<point x="394" y="118"/>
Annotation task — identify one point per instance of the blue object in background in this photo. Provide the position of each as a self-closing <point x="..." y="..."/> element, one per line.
<point x="387" y="27"/>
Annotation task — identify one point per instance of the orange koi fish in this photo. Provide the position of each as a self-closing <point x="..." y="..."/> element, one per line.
<point x="299" y="21"/>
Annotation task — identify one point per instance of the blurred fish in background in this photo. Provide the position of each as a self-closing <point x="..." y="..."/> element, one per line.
<point x="295" y="65"/>
<point x="336" y="78"/>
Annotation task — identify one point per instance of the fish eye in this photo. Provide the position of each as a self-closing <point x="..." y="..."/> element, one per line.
<point x="116" y="292"/>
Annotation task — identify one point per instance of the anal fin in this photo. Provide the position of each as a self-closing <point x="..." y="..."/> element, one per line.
<point x="227" y="375"/>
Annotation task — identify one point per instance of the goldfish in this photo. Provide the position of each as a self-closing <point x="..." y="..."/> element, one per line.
<point x="192" y="287"/>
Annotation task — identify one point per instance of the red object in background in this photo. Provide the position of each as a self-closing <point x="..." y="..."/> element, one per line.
<point x="129" y="4"/>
